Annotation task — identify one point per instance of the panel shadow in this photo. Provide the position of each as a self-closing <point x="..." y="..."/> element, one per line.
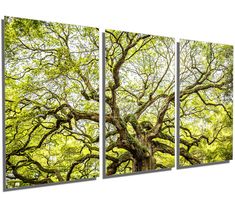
<point x="3" y="108"/>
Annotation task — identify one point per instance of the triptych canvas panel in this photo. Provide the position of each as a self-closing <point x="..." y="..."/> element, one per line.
<point x="139" y="98"/>
<point x="206" y="89"/>
<point x="52" y="103"/>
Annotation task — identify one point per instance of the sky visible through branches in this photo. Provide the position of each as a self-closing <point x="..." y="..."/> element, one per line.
<point x="139" y="97"/>
<point x="206" y="75"/>
<point x="51" y="101"/>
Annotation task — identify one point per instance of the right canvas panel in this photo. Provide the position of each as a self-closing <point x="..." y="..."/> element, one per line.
<point x="206" y="91"/>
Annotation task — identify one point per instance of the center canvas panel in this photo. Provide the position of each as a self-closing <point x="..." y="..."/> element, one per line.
<point x="51" y="102"/>
<point x="139" y="102"/>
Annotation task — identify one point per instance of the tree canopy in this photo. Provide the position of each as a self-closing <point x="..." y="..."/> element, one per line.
<point x="139" y="98"/>
<point x="206" y="76"/>
<point x="51" y="102"/>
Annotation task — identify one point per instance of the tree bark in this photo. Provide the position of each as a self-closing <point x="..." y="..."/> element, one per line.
<point x="146" y="163"/>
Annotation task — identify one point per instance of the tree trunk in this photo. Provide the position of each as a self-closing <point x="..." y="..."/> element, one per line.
<point x="145" y="164"/>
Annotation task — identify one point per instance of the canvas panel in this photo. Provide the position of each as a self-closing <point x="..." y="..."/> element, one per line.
<point x="139" y="100"/>
<point x="51" y="102"/>
<point x="206" y="90"/>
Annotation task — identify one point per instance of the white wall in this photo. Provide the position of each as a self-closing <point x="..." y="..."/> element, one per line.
<point x="200" y="20"/>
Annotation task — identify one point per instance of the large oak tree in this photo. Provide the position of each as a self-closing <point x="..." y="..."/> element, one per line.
<point x="139" y="96"/>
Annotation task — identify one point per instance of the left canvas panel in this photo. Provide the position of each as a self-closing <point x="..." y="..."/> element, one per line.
<point x="51" y="102"/>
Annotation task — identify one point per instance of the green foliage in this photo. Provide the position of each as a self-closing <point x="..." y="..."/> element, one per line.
<point x="206" y="112"/>
<point x="139" y="83"/>
<point x="50" y="135"/>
